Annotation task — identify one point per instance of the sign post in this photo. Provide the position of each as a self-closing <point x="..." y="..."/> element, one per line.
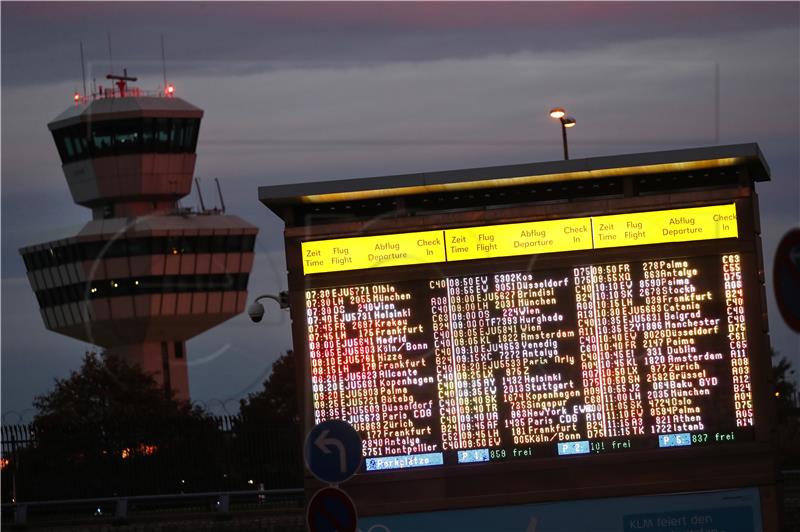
<point x="333" y="454"/>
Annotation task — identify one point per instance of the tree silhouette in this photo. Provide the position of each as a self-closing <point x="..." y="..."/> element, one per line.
<point x="268" y="429"/>
<point x="787" y="413"/>
<point x="111" y="396"/>
<point x="277" y="403"/>
<point x="785" y="388"/>
<point x="110" y="429"/>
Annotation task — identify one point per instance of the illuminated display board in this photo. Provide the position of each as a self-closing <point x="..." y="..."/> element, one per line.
<point x="596" y="357"/>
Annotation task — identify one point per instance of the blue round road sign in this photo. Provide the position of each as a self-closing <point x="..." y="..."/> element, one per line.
<point x="786" y="278"/>
<point x="331" y="510"/>
<point x="333" y="451"/>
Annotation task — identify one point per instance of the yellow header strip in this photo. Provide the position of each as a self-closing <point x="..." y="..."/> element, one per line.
<point x="519" y="239"/>
<point x="527" y="238"/>
<point x="364" y="252"/>
<point x="658" y="227"/>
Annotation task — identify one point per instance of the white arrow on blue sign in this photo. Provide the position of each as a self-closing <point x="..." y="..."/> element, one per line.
<point x="333" y="451"/>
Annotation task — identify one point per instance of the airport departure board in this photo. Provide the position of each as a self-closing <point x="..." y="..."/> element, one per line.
<point x="441" y="369"/>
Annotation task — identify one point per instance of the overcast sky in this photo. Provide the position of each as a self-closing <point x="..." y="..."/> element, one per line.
<point x="313" y="91"/>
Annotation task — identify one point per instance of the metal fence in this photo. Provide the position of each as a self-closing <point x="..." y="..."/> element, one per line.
<point x="218" y="454"/>
<point x="181" y="511"/>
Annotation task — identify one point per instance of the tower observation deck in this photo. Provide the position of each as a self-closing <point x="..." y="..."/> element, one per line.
<point x="143" y="276"/>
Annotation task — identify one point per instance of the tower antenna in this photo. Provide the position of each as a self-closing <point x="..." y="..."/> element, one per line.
<point x="121" y="81"/>
<point x="110" y="56"/>
<point x="83" y="71"/>
<point x="200" y="194"/>
<point x="163" y="62"/>
<point x="219" y="192"/>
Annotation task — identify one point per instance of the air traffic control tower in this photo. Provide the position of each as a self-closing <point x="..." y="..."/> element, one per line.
<point x="144" y="275"/>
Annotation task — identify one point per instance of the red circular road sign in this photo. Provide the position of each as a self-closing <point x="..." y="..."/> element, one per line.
<point x="786" y="278"/>
<point x="331" y="510"/>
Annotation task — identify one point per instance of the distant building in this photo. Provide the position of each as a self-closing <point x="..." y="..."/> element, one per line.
<point x="143" y="276"/>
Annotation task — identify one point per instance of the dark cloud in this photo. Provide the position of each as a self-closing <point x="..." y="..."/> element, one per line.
<point x="243" y="38"/>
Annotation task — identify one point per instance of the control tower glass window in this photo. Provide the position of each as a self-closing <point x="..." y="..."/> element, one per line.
<point x="147" y="134"/>
<point x="102" y="139"/>
<point x="161" y="139"/>
<point x="125" y="137"/>
<point x="66" y="253"/>
<point x="190" y="136"/>
<point x="176" y="135"/>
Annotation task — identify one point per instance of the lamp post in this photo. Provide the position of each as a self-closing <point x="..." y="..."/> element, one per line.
<point x="566" y="121"/>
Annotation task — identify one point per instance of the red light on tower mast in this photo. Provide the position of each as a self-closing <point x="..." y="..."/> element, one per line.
<point x="170" y="89"/>
<point x="76" y="97"/>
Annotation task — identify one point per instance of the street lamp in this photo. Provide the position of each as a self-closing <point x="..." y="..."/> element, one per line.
<point x="566" y="121"/>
